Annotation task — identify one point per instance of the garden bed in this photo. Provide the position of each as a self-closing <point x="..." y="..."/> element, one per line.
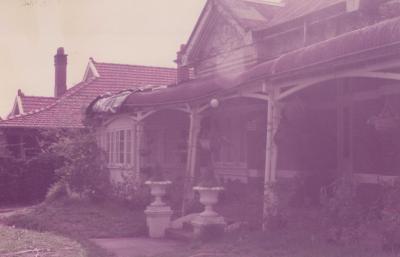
<point x="81" y="221"/>
<point x="82" y="218"/>
<point x="302" y="236"/>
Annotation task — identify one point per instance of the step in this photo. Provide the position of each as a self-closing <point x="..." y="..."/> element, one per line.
<point x="180" y="234"/>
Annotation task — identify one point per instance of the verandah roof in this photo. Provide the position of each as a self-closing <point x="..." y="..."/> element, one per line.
<point x="381" y="36"/>
<point x="365" y="41"/>
<point x="185" y="92"/>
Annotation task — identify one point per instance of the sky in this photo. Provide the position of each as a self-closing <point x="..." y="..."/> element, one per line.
<point x="145" y="32"/>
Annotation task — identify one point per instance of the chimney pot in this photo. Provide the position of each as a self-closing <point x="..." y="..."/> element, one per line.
<point x="60" y="65"/>
<point x="60" y="50"/>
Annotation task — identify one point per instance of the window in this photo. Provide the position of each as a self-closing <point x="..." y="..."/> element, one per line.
<point x="118" y="146"/>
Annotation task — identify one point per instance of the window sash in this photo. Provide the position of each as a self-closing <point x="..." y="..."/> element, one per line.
<point x="129" y="145"/>
<point x="119" y="146"/>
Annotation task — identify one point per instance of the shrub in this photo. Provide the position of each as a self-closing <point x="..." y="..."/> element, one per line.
<point x="307" y="188"/>
<point x="130" y="193"/>
<point x="26" y="181"/>
<point x="277" y="205"/>
<point x="345" y="218"/>
<point x="40" y="174"/>
<point x="10" y="171"/>
<point x="390" y="217"/>
<point x="56" y="191"/>
<point x="85" y="169"/>
<point x="242" y="202"/>
<point x="136" y="197"/>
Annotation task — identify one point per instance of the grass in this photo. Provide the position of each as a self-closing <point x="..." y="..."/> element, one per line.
<point x="303" y="236"/>
<point x="21" y="242"/>
<point x="256" y="244"/>
<point x="81" y="221"/>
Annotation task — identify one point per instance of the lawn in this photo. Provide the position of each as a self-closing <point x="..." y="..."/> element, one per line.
<point x="274" y="245"/>
<point x="21" y="242"/>
<point x="303" y="236"/>
<point x="81" y="221"/>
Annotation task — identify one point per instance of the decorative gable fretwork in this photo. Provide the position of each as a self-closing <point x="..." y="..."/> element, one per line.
<point x="222" y="38"/>
<point x="218" y="43"/>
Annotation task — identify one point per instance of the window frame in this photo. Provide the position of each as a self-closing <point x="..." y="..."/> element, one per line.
<point x="118" y="142"/>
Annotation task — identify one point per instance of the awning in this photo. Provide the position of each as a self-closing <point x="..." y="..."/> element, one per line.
<point x="110" y="103"/>
<point x="383" y="37"/>
<point x="182" y="93"/>
<point x="190" y="91"/>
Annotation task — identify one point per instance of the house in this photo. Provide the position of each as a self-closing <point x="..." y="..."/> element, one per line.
<point x="286" y="88"/>
<point x="30" y="114"/>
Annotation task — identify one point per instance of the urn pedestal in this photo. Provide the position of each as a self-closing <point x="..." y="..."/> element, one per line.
<point x="158" y="214"/>
<point x="208" y="218"/>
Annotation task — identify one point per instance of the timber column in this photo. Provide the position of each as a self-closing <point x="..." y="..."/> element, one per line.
<point x="192" y="144"/>
<point x="194" y="128"/>
<point x="270" y="198"/>
<point x="344" y="127"/>
<point x="138" y="143"/>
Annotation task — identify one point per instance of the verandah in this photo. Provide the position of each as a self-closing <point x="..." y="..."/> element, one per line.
<point x="274" y="83"/>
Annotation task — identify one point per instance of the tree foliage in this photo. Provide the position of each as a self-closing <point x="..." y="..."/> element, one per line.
<point x="84" y="170"/>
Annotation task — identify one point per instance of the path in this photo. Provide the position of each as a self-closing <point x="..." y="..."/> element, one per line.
<point x="9" y="211"/>
<point x="139" y="247"/>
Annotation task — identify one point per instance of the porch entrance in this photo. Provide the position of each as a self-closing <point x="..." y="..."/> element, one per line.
<point x="240" y="128"/>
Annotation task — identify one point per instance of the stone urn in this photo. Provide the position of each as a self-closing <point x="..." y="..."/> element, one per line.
<point x="158" y="190"/>
<point x="208" y="197"/>
<point x="158" y="214"/>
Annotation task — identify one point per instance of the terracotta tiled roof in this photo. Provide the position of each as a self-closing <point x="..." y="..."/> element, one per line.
<point x="136" y="74"/>
<point x="68" y="110"/>
<point x="31" y="103"/>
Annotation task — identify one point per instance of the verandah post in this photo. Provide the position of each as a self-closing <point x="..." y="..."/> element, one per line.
<point x="138" y="133"/>
<point x="270" y="199"/>
<point x="194" y="131"/>
<point x="194" y="128"/>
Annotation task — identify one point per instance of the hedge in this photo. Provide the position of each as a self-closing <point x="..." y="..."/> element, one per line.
<point x="26" y="181"/>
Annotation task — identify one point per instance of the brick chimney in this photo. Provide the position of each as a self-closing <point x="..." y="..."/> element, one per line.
<point x="183" y="71"/>
<point x="60" y="65"/>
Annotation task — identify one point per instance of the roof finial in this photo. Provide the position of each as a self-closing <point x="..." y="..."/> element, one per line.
<point x="20" y="93"/>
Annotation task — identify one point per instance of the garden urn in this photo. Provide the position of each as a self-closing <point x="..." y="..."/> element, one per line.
<point x="208" y="197"/>
<point x="158" y="214"/>
<point x="158" y="190"/>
